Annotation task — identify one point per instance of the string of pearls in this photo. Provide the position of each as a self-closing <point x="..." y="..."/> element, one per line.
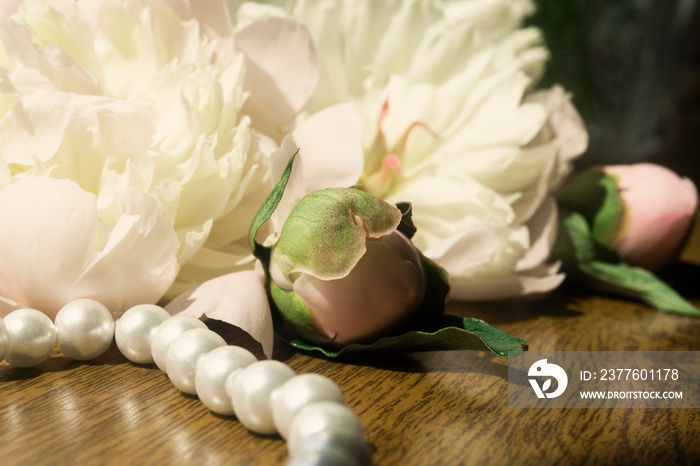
<point x="266" y="396"/>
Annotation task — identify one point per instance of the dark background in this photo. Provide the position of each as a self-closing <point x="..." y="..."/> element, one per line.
<point x="633" y="67"/>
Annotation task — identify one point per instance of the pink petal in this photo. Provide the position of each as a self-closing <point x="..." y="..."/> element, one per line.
<point x="8" y="7"/>
<point x="660" y="209"/>
<point x="212" y="15"/>
<point x="237" y="298"/>
<point x="281" y="71"/>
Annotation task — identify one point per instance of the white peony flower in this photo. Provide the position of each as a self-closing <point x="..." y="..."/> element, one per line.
<point x="130" y="134"/>
<point x="451" y="125"/>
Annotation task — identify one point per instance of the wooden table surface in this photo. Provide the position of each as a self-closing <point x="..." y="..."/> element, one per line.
<point x="417" y="409"/>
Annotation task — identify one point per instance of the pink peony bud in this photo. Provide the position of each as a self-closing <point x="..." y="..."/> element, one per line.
<point x="659" y="208"/>
<point x="383" y="289"/>
<point x="342" y="272"/>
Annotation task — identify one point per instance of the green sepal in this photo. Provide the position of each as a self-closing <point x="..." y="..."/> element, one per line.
<point x="437" y="288"/>
<point x="406" y="226"/>
<point x="597" y="267"/>
<point x="298" y="312"/>
<point x="262" y="253"/>
<point x="595" y="195"/>
<point x="439" y="333"/>
<point x="326" y="233"/>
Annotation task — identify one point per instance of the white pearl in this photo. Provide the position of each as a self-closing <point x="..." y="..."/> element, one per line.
<point x="350" y="448"/>
<point x="167" y="333"/>
<point x="181" y="358"/>
<point x="250" y="390"/>
<point x="32" y="337"/>
<point x="318" y="417"/>
<point x="84" y="329"/>
<point x="134" y="330"/>
<point x="298" y="392"/>
<point x="211" y="374"/>
<point x="329" y="457"/>
<point x="4" y="340"/>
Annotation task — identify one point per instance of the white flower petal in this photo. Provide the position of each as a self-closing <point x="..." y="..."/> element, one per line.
<point x="465" y="251"/>
<point x="138" y="260"/>
<point x="511" y="286"/>
<point x="238" y="299"/>
<point x="57" y="250"/>
<point x="543" y="232"/>
<point x="52" y="236"/>
<point x="330" y="142"/>
<point x="281" y="71"/>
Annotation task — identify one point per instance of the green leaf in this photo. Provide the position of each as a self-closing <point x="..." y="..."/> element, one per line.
<point x="438" y="333"/>
<point x="265" y="212"/>
<point x="639" y="284"/>
<point x="593" y="265"/>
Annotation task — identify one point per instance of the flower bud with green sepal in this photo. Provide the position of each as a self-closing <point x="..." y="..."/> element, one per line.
<point x="619" y="223"/>
<point x="358" y="277"/>
<point x="344" y="276"/>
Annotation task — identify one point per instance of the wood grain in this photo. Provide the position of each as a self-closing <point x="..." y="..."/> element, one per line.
<point x="418" y="408"/>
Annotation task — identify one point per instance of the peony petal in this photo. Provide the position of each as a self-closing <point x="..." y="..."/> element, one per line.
<point x="466" y="250"/>
<point x="212" y="15"/>
<point x="238" y="299"/>
<point x="7" y="7"/>
<point x="7" y="306"/>
<point x="543" y="232"/>
<point x="48" y="257"/>
<point x="512" y="286"/>
<point x="49" y="236"/>
<point x="138" y="262"/>
<point x="50" y="125"/>
<point x="281" y="71"/>
<point x="330" y="142"/>
<point x="330" y="156"/>
<point x="565" y="121"/>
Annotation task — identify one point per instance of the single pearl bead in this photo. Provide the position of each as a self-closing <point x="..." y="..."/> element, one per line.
<point x="318" y="417"/>
<point x="351" y="447"/>
<point x="84" y="329"/>
<point x="32" y="337"/>
<point x="250" y="390"/>
<point x="211" y="374"/>
<point x="298" y="392"/>
<point x="182" y="356"/>
<point x="167" y="333"/>
<point x="4" y="340"/>
<point x="324" y="458"/>
<point x="134" y="330"/>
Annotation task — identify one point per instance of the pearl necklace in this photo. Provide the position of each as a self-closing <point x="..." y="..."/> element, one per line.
<point x="307" y="410"/>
